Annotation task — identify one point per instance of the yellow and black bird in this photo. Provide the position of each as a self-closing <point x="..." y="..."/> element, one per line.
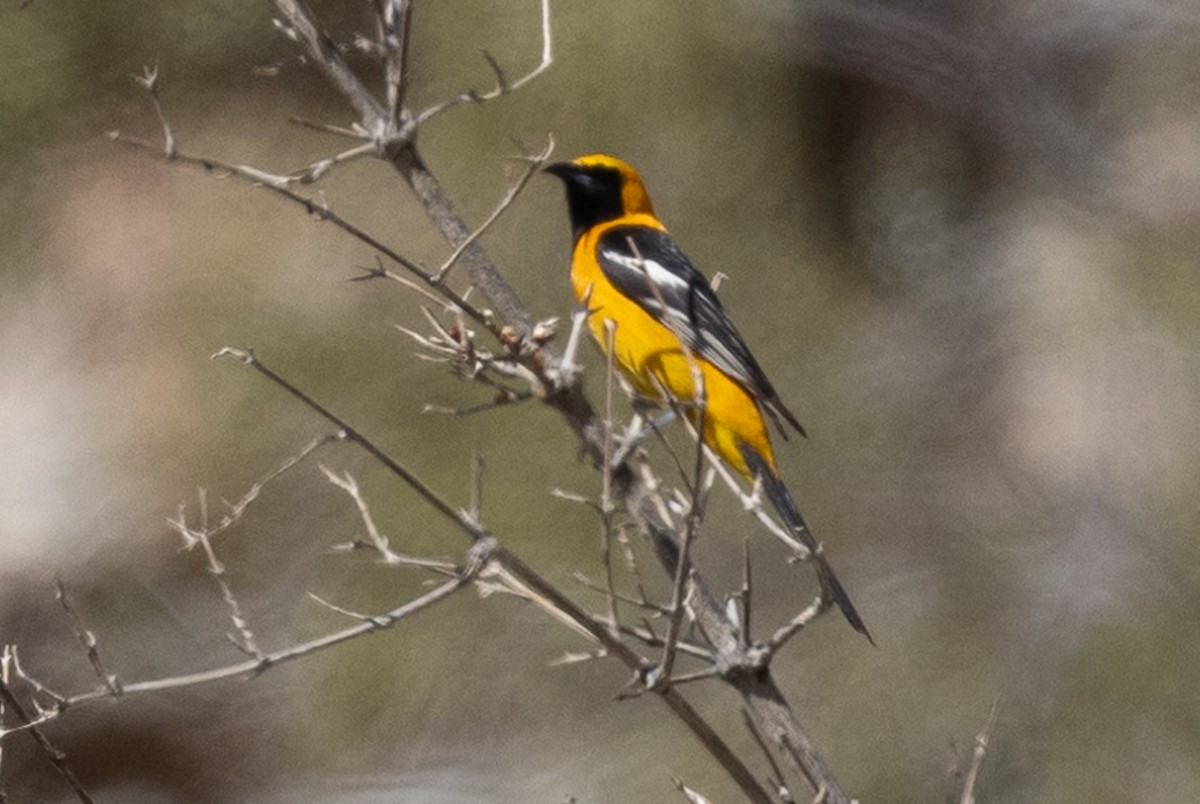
<point x="669" y="322"/>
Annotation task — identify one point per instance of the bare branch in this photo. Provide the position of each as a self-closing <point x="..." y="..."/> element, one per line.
<point x="353" y="615"/>
<point x="744" y="595"/>
<point x="266" y="661"/>
<point x="87" y="639"/>
<point x="571" y="496"/>
<point x="981" y="745"/>
<point x="455" y="346"/>
<point x="777" y="780"/>
<point x="503" y="86"/>
<point x="517" y="575"/>
<point x="647" y="637"/>
<point x="481" y="272"/>
<point x="631" y="562"/>
<point x="576" y="657"/>
<point x="148" y="80"/>
<point x="317" y="170"/>
<point x="683" y="572"/>
<point x="244" y="639"/>
<point x="793" y="627"/>
<point x="642" y="603"/>
<point x="679" y="705"/>
<point x="475" y="509"/>
<point x="56" y="757"/>
<point x="633" y="485"/>
<point x="610" y="382"/>
<point x="533" y="164"/>
<point x="693" y="796"/>
<point x="248" y="358"/>
<point x="300" y="25"/>
<point x="606" y="501"/>
<point x="379" y="272"/>
<point x="379" y="542"/>
<point x="752" y="503"/>
<point x="395" y="23"/>
<point x="503" y="398"/>
<point x="319" y="211"/>
<point x="6" y="679"/>
<point x="39" y="688"/>
<point x="696" y="509"/>
<point x="567" y="366"/>
<point x="394" y="140"/>
<point x="354" y="133"/>
<point x="238" y="508"/>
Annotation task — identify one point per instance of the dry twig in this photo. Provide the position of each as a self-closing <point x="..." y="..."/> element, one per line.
<point x="981" y="746"/>
<point x="56" y="757"/>
<point x="518" y="576"/>
<point x="391" y="130"/>
<point x="503" y="85"/>
<point x="87" y="639"/>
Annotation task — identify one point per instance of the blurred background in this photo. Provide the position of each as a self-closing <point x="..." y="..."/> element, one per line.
<point x="960" y="237"/>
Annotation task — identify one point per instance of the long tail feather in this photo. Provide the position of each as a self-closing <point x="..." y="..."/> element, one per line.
<point x="782" y="500"/>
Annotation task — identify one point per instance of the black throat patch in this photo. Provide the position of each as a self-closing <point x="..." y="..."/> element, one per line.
<point x="593" y="196"/>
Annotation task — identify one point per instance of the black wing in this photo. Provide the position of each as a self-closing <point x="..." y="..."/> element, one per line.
<point x="633" y="257"/>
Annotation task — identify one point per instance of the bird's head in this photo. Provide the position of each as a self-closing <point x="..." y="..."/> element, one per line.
<point x="601" y="188"/>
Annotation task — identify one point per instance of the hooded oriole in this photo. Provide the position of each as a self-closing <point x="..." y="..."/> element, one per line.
<point x="669" y="324"/>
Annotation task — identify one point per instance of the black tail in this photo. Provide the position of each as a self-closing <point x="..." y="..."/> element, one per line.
<point x="779" y="496"/>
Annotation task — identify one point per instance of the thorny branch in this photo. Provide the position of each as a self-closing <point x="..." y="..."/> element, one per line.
<point x="244" y="639"/>
<point x="981" y="745"/>
<point x="5" y="678"/>
<point x="691" y="525"/>
<point x="776" y="779"/>
<point x="268" y="660"/>
<point x="519" y="576"/>
<point x="87" y="639"/>
<point x="378" y="541"/>
<point x="348" y="433"/>
<point x="394" y="139"/>
<point x="238" y="509"/>
<point x="395" y="30"/>
<point x="388" y="130"/>
<point x="531" y="168"/>
<point x="57" y="758"/>
<point x="607" y="508"/>
<point x="503" y="85"/>
<point x="318" y="210"/>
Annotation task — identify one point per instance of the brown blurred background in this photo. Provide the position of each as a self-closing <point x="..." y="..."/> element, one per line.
<point x="961" y="238"/>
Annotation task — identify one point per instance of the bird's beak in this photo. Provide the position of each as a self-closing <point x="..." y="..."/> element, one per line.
<point x="563" y="170"/>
